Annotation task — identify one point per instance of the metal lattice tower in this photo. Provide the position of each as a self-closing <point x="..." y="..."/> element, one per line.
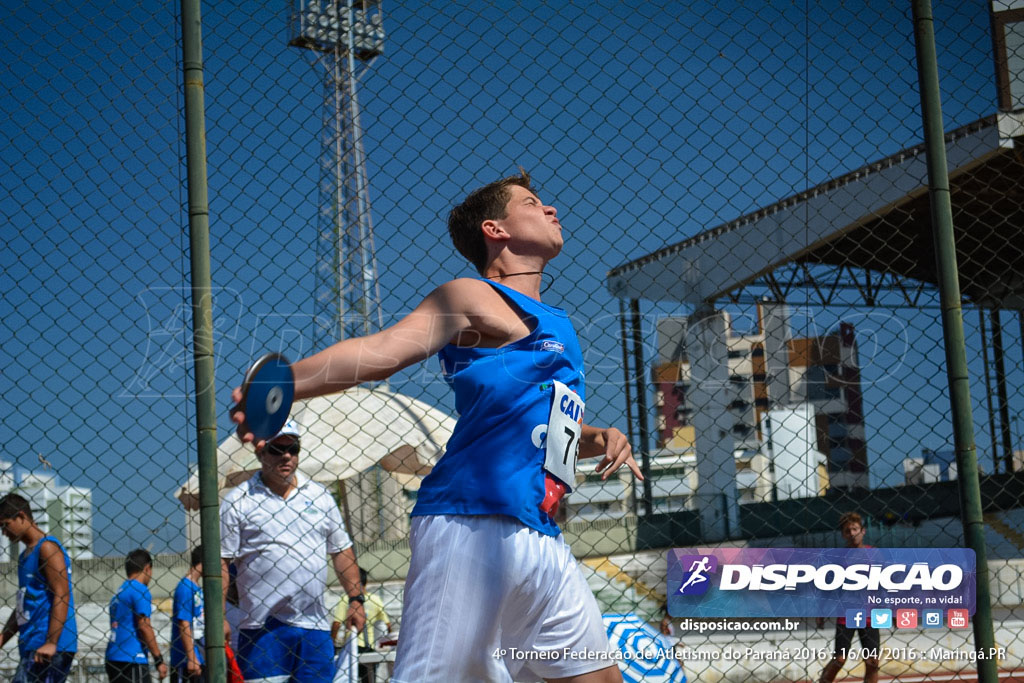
<point x="345" y="36"/>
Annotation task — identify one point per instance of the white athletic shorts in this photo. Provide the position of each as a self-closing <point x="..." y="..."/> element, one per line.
<point x="488" y="599"/>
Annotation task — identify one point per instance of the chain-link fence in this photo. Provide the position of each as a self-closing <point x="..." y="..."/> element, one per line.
<point x="748" y="263"/>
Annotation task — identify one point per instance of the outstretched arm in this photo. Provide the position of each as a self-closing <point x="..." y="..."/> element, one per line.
<point x="441" y="316"/>
<point x="613" y="445"/>
<point x="417" y="336"/>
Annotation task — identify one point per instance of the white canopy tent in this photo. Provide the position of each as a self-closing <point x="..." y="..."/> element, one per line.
<point x="344" y="434"/>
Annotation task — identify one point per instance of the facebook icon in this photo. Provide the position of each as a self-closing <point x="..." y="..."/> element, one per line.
<point x="856" y="618"/>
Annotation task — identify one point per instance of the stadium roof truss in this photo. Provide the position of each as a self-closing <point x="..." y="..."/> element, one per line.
<point x="863" y="238"/>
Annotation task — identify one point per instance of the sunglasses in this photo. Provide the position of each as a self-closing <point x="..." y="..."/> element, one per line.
<point x="277" y="451"/>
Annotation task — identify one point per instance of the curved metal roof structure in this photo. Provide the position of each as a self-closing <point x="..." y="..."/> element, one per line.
<point x="873" y="222"/>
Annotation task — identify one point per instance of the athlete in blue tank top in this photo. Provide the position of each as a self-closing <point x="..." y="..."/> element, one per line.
<point x="514" y="363"/>
<point x="503" y="397"/>
<point x="44" y="616"/>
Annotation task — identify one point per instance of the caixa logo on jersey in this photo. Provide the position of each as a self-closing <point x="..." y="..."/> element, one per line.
<point x="551" y="345"/>
<point x="818" y="582"/>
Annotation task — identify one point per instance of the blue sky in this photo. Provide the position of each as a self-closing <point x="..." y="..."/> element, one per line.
<point x="642" y="124"/>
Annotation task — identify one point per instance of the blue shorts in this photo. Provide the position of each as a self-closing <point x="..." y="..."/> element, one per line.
<point x="56" y="671"/>
<point x="282" y="653"/>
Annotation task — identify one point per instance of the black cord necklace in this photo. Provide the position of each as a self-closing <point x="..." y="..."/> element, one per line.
<point x="526" y="272"/>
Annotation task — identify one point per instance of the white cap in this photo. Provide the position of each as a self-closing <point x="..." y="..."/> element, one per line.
<point x="291" y="428"/>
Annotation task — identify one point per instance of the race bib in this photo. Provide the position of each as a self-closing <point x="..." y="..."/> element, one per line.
<point x="198" y="628"/>
<point x="23" y="616"/>
<point x="198" y="622"/>
<point x="113" y="624"/>
<point x="565" y="426"/>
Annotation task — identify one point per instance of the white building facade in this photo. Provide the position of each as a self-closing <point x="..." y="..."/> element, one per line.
<point x="61" y="510"/>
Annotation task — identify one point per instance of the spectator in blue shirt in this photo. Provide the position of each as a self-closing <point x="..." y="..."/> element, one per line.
<point x="187" y="624"/>
<point x="132" y="637"/>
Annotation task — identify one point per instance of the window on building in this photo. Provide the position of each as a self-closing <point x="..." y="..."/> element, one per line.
<point x="738" y="404"/>
<point x="817" y="385"/>
<point x="601" y="509"/>
<point x="742" y="430"/>
<point x="839" y="457"/>
<point x="670" y="503"/>
<point x="1008" y="39"/>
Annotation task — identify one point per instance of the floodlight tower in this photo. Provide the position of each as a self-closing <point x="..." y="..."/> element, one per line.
<point x="345" y="36"/>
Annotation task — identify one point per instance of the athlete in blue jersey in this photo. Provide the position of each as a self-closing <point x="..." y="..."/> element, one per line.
<point x="187" y="624"/>
<point x="44" y="616"/>
<point x="132" y="639"/>
<point x="491" y="579"/>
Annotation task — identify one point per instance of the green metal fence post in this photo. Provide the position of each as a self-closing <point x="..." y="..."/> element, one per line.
<point x="641" y="405"/>
<point x="952" y="328"/>
<point x="202" y="333"/>
<point x="625" y="384"/>
<point x="998" y="360"/>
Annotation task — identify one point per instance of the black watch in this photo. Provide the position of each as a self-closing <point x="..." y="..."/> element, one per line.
<point x="158" y="660"/>
<point x="361" y="599"/>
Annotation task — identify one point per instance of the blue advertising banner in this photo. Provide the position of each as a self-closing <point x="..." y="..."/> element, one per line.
<point x="819" y="582"/>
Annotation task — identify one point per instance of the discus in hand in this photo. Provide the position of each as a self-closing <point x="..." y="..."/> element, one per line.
<point x="267" y="395"/>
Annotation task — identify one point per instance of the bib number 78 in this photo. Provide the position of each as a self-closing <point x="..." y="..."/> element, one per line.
<point x="571" y="436"/>
<point x="565" y="426"/>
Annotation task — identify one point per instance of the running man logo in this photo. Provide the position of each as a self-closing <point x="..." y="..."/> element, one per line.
<point x="698" y="567"/>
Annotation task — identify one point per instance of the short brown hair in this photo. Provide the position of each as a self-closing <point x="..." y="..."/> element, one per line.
<point x="136" y="561"/>
<point x="12" y="505"/>
<point x="486" y="203"/>
<point x="850" y="517"/>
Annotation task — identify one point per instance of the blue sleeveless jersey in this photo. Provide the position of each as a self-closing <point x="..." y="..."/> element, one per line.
<point x="34" y="601"/>
<point x="494" y="461"/>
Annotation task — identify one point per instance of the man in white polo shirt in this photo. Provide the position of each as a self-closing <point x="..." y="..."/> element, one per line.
<point x="278" y="528"/>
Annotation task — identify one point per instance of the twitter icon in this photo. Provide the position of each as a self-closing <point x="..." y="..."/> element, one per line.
<point x="881" y="618"/>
